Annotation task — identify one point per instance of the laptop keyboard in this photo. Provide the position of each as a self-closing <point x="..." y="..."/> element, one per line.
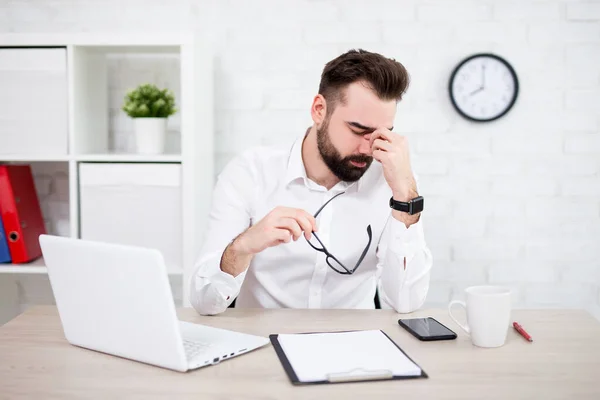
<point x="193" y="348"/>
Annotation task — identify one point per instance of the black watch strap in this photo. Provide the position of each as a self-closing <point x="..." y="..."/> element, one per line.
<point x="411" y="207"/>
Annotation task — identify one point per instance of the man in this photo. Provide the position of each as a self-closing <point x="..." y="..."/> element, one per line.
<point x="311" y="225"/>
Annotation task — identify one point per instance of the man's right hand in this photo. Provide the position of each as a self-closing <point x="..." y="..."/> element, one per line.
<point x="279" y="226"/>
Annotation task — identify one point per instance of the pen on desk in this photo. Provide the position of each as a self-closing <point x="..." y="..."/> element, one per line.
<point x="522" y="331"/>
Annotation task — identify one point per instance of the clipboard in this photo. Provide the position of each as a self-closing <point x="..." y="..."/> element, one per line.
<point x="351" y="375"/>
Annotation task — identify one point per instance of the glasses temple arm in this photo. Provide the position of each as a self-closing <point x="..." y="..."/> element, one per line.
<point x="327" y="202"/>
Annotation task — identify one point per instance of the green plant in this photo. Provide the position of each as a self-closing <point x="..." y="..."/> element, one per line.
<point x="148" y="101"/>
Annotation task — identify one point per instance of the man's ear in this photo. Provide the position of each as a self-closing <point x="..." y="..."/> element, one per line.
<point x="318" y="111"/>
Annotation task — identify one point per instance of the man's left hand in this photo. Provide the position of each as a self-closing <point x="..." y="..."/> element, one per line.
<point x="391" y="150"/>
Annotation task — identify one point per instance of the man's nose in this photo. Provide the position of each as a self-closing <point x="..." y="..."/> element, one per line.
<point x="365" y="145"/>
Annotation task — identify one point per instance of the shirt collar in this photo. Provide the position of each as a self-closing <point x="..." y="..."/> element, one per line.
<point x="296" y="169"/>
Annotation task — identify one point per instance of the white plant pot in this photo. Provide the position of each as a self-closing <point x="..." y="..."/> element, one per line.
<point x="150" y="135"/>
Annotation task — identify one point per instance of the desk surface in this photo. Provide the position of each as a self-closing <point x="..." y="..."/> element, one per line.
<point x="562" y="362"/>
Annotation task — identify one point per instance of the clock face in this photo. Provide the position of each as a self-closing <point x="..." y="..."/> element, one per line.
<point x="483" y="87"/>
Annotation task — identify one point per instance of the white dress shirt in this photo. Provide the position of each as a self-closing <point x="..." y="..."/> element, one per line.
<point x="294" y="275"/>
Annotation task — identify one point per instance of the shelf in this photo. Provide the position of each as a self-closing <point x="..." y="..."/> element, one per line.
<point x="39" y="267"/>
<point x="33" y="158"/>
<point x="96" y="70"/>
<point x="35" y="267"/>
<point x="21" y="269"/>
<point x="145" y="40"/>
<point x="141" y="158"/>
<point x="134" y="158"/>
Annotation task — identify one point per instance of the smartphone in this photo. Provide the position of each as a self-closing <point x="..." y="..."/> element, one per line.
<point x="427" y="329"/>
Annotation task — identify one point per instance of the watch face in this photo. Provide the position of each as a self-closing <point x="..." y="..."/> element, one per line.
<point x="483" y="87"/>
<point x="417" y="205"/>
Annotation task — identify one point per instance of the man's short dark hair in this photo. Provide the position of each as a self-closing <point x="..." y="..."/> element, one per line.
<point x="385" y="76"/>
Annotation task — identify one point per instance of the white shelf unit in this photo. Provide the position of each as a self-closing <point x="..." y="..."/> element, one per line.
<point x="87" y="131"/>
<point x="156" y="158"/>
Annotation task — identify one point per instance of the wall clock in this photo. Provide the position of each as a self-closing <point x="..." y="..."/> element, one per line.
<point x="483" y="87"/>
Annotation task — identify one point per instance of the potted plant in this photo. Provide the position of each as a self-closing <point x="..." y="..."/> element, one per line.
<point x="149" y="107"/>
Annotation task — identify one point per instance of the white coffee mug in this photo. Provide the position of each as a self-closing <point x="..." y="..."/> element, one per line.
<point x="488" y="314"/>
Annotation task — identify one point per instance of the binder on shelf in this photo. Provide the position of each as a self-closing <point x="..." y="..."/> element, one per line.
<point x="21" y="213"/>
<point x="4" y="252"/>
<point x="336" y="357"/>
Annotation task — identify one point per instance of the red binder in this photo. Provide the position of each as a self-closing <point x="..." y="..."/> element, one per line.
<point x="20" y="212"/>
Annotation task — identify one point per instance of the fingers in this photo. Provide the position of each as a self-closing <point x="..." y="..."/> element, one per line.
<point x="306" y="226"/>
<point x="282" y="225"/>
<point x="299" y="215"/>
<point x="312" y="222"/>
<point x="379" y="144"/>
<point x="379" y="155"/>
<point x="382" y="134"/>
<point x="281" y="236"/>
<point x="291" y="225"/>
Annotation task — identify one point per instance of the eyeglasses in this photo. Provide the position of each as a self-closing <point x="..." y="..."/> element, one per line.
<point x="331" y="260"/>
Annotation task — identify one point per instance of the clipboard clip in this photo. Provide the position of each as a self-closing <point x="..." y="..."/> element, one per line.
<point x="359" y="374"/>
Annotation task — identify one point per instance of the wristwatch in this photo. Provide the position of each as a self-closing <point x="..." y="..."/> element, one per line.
<point x="412" y="207"/>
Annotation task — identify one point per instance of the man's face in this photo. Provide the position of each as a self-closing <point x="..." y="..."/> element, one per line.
<point x="343" y="137"/>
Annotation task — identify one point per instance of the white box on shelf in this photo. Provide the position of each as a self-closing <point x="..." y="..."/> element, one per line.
<point x="33" y="101"/>
<point x="137" y="204"/>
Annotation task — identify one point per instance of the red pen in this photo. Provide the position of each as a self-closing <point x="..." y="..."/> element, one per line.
<point x="520" y="329"/>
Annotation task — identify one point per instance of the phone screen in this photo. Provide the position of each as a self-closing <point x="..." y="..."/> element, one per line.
<point x="427" y="328"/>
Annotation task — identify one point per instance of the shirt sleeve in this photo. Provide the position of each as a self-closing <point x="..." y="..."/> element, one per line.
<point x="405" y="263"/>
<point x="213" y="290"/>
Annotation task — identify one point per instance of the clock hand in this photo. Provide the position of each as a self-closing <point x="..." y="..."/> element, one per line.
<point x="482" y="75"/>
<point x="476" y="91"/>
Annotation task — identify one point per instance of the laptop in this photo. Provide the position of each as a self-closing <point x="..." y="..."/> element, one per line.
<point x="116" y="299"/>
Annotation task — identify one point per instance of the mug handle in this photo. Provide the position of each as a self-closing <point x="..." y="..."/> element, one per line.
<point x="459" y="303"/>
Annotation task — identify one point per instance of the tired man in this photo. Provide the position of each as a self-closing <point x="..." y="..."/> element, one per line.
<point x="329" y="219"/>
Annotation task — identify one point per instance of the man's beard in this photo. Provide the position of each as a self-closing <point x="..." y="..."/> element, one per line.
<point x="341" y="167"/>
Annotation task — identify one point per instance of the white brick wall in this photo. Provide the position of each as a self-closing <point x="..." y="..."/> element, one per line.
<point x="514" y="202"/>
<point x="583" y="11"/>
<point x="459" y="11"/>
